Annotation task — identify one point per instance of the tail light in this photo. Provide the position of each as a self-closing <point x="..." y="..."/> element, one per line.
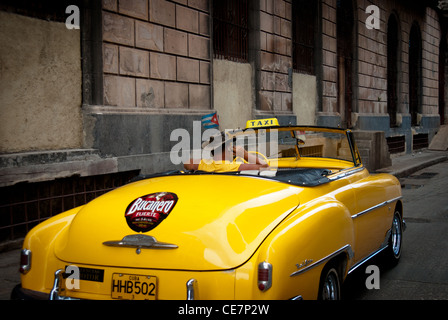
<point x="264" y="276"/>
<point x="25" y="261"/>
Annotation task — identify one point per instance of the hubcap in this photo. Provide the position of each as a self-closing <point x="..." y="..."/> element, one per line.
<point x="331" y="287"/>
<point x="396" y="235"/>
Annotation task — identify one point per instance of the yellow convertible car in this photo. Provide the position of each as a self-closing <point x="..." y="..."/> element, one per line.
<point x="293" y="226"/>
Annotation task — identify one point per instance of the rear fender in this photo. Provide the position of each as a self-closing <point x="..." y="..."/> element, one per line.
<point x="40" y="240"/>
<point x="299" y="248"/>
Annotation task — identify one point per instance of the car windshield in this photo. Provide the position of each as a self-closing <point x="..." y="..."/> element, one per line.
<point x="294" y="154"/>
<point x="296" y="143"/>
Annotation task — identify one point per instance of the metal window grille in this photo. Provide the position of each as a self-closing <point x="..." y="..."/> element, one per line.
<point x="415" y="73"/>
<point x="420" y="141"/>
<point x="303" y="38"/>
<point x="25" y="205"/>
<point x="231" y="30"/>
<point x="396" y="144"/>
<point x="392" y="69"/>
<point x="312" y="151"/>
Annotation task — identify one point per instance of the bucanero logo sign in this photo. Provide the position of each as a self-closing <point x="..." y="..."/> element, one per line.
<point x="147" y="212"/>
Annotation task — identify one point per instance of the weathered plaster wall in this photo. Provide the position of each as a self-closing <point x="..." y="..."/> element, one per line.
<point x="40" y="91"/>
<point x="304" y="98"/>
<point x="233" y="93"/>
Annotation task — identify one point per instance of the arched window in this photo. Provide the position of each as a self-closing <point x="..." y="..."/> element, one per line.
<point x="442" y="64"/>
<point x="415" y="73"/>
<point x="393" y="55"/>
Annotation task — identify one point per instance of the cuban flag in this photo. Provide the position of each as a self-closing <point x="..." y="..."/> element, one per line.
<point x="210" y="121"/>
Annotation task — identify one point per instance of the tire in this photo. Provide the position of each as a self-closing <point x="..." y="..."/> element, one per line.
<point x="394" y="249"/>
<point x="330" y="284"/>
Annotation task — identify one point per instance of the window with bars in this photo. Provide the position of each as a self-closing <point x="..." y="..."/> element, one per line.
<point x="25" y="205"/>
<point x="231" y="30"/>
<point x="303" y="35"/>
<point x="415" y="73"/>
<point x="420" y="141"/>
<point x="396" y="144"/>
<point x="393" y="58"/>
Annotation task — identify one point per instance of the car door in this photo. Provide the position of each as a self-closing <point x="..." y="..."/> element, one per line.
<point x="373" y="216"/>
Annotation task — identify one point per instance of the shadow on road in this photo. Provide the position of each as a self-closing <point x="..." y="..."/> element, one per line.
<point x="355" y="288"/>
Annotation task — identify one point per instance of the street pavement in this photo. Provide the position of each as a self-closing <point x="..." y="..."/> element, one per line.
<point x="421" y="273"/>
<point x="9" y="272"/>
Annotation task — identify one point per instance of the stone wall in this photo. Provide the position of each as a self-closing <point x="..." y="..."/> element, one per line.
<point x="431" y="36"/>
<point x="275" y="75"/>
<point x="329" y="57"/>
<point x="156" y="77"/>
<point x="156" y="54"/>
<point x="373" y="62"/>
<point x="369" y="97"/>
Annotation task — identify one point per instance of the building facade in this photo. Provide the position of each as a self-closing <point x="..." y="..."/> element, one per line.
<point x="86" y="108"/>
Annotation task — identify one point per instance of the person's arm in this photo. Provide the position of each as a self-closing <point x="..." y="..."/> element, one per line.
<point x="252" y="166"/>
<point x="191" y="165"/>
<point x="254" y="162"/>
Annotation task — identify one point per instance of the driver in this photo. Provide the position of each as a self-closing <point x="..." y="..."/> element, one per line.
<point x="224" y="153"/>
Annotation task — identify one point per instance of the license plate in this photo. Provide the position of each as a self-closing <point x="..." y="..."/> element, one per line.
<point x="134" y="287"/>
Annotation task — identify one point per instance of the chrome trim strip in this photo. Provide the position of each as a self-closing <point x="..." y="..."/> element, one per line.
<point x="385" y="203"/>
<point x="347" y="248"/>
<point x="25" y="268"/>
<point x="54" y="293"/>
<point x="59" y="287"/>
<point x="346" y="173"/>
<point x="386" y="239"/>
<point x="383" y="246"/>
<point x="267" y="284"/>
<point x="140" y="241"/>
<point x="191" y="288"/>
<point x="360" y="263"/>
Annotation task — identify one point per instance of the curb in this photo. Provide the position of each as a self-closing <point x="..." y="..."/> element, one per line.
<point x="405" y="171"/>
<point x="11" y="245"/>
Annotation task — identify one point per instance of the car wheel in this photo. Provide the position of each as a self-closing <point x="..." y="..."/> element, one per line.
<point x="393" y="252"/>
<point x="330" y="285"/>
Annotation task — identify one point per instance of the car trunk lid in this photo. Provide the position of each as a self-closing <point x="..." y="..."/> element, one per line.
<point x="204" y="222"/>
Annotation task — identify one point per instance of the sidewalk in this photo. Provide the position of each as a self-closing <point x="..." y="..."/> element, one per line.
<point x="9" y="272"/>
<point x="405" y="165"/>
<point x="401" y="167"/>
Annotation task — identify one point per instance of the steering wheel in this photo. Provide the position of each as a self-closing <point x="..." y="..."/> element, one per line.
<point x="260" y="154"/>
<point x="253" y="152"/>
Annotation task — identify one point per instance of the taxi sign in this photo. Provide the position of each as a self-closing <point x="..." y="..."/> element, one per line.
<point x="260" y="123"/>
